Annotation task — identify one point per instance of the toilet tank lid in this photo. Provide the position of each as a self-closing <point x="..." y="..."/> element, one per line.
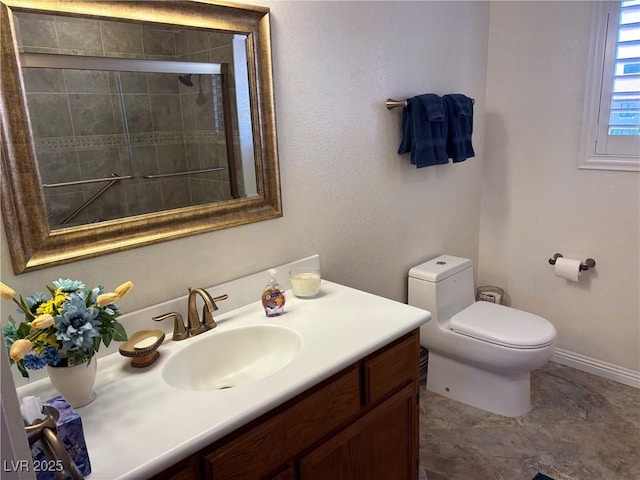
<point x="439" y="268"/>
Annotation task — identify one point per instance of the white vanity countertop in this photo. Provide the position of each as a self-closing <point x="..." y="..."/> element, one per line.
<point x="139" y="425"/>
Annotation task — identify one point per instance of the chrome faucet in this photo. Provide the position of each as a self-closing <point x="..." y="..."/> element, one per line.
<point x="196" y="325"/>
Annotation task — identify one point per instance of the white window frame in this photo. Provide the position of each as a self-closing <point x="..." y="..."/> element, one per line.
<point x="604" y="26"/>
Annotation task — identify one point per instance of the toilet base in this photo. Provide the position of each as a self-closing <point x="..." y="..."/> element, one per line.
<point x="504" y="394"/>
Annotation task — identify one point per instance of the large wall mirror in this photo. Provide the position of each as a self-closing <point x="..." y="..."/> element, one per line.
<point x="128" y="123"/>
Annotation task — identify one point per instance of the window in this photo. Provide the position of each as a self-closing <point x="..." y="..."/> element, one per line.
<point x="611" y="127"/>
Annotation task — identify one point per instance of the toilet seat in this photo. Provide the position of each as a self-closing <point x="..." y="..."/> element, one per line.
<point x="503" y="326"/>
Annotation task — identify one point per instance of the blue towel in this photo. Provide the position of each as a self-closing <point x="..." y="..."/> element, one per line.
<point x="424" y="130"/>
<point x="460" y="123"/>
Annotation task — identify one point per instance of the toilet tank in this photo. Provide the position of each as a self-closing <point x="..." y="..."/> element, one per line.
<point x="442" y="285"/>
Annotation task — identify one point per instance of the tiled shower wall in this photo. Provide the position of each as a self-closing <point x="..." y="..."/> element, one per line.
<point x="81" y="132"/>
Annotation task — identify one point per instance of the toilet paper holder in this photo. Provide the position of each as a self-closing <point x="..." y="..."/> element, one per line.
<point x="584" y="266"/>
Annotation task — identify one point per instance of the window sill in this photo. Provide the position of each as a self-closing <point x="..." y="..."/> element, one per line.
<point x="608" y="162"/>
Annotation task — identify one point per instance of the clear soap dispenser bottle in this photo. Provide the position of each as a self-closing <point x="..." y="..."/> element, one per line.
<point x="273" y="296"/>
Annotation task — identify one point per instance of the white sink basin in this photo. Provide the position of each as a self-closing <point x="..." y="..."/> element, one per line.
<point x="231" y="358"/>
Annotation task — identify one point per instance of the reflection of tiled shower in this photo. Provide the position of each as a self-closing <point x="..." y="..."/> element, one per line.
<point x="92" y="124"/>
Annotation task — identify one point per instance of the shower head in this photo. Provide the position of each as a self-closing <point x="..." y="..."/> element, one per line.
<point x="186" y="80"/>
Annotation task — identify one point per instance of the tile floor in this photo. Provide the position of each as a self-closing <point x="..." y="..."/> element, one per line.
<point x="581" y="427"/>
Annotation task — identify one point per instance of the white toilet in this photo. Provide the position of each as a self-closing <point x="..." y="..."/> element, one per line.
<point x="480" y="353"/>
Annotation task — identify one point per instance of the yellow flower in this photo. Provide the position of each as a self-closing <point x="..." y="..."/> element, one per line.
<point x="19" y="349"/>
<point x="122" y="290"/>
<point x="42" y="321"/>
<point x="106" y="299"/>
<point x="59" y="298"/>
<point x="7" y="292"/>
<point x="45" y="308"/>
<point x="48" y="338"/>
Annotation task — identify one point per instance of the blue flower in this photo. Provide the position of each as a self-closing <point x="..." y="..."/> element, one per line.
<point x="77" y="324"/>
<point x="51" y="355"/>
<point x="95" y="292"/>
<point x="34" y="301"/>
<point x="10" y="333"/>
<point x="68" y="285"/>
<point x="33" y="361"/>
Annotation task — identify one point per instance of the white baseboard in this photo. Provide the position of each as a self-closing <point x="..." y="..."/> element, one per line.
<point x="597" y="367"/>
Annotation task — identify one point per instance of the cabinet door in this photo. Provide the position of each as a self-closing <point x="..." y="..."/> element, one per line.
<point x="286" y="474"/>
<point x="382" y="445"/>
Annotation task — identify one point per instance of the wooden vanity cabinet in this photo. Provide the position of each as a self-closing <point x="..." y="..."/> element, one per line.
<point x="288" y="473"/>
<point x="187" y="469"/>
<point x="360" y="424"/>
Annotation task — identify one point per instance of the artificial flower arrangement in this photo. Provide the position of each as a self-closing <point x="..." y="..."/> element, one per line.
<point x="65" y="328"/>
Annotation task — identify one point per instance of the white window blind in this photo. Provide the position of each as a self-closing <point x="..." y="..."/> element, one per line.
<point x="611" y="139"/>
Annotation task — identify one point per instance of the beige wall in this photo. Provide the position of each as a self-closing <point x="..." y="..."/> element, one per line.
<point x="347" y="194"/>
<point x="371" y="215"/>
<point x="535" y="201"/>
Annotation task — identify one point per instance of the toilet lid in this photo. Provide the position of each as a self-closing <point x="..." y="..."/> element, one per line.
<point x="503" y="326"/>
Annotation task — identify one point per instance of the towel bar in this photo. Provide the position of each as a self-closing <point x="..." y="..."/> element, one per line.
<point x="584" y="266"/>
<point x="391" y="103"/>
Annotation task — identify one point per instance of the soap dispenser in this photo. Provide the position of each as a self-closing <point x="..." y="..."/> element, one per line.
<point x="273" y="296"/>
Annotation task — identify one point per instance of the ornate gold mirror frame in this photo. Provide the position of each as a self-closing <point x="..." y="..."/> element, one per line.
<point x="32" y="242"/>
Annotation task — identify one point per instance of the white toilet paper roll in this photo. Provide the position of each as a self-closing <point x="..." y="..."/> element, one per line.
<point x="568" y="268"/>
<point x="496" y="297"/>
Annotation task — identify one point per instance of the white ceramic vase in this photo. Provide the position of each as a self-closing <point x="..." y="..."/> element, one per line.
<point x="75" y="383"/>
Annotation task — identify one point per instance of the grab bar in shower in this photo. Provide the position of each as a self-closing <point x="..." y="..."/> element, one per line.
<point x="190" y="172"/>
<point x="113" y="179"/>
<point x="83" y="182"/>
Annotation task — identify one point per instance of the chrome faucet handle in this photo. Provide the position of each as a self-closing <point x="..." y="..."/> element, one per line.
<point x="179" y="330"/>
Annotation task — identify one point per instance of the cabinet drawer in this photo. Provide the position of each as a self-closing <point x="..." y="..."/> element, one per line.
<point x="262" y="450"/>
<point x="391" y="369"/>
